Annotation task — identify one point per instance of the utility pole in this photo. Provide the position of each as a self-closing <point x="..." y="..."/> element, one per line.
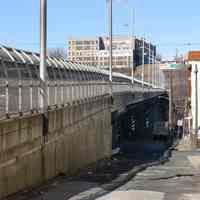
<point x="43" y="53"/>
<point x="196" y="103"/>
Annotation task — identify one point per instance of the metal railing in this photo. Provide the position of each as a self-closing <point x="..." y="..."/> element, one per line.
<point x="18" y="97"/>
<point x="67" y="83"/>
<point x="22" y="97"/>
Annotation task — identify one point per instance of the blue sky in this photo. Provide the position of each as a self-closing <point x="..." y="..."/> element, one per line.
<point x="169" y="23"/>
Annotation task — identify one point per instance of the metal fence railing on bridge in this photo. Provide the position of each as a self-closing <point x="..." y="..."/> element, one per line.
<point x="66" y="83"/>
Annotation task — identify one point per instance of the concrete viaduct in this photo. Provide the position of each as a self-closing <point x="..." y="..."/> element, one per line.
<point x="83" y="118"/>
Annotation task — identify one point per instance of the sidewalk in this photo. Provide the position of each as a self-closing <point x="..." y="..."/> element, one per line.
<point x="185" y="144"/>
<point x="178" y="179"/>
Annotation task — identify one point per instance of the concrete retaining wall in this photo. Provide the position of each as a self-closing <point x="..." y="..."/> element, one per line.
<point x="75" y="137"/>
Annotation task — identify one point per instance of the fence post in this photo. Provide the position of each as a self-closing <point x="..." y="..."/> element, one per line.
<point x="55" y="89"/>
<point x="48" y="95"/>
<point x="62" y="93"/>
<point x="31" y="96"/>
<point x="20" y="97"/>
<point x="7" y="99"/>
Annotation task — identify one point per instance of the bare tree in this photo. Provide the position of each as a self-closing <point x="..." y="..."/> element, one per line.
<point x="59" y="53"/>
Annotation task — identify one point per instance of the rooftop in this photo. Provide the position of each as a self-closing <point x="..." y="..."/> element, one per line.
<point x="194" y="56"/>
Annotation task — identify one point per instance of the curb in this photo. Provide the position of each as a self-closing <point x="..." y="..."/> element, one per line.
<point x="122" y="179"/>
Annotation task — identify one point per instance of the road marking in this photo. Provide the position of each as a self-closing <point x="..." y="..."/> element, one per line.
<point x="134" y="195"/>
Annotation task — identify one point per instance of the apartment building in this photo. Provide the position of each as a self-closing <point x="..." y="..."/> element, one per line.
<point x="95" y="51"/>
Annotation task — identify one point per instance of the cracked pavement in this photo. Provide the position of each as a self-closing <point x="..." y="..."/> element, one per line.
<point x="178" y="179"/>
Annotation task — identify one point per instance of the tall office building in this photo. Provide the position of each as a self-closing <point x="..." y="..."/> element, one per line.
<point x="95" y="51"/>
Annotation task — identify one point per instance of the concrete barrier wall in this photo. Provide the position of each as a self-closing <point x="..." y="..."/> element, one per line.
<point x="75" y="136"/>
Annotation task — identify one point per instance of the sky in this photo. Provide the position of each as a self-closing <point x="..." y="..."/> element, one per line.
<point x="170" y="24"/>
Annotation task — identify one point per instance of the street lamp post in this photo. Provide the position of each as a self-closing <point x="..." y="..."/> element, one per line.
<point x="43" y="53"/>
<point x="143" y="44"/>
<point x="110" y="27"/>
<point x="154" y="69"/>
<point x="170" y="101"/>
<point x="196" y="102"/>
<point x="110" y="10"/>
<point x="132" y="42"/>
<point x="149" y="74"/>
<point x="156" y="78"/>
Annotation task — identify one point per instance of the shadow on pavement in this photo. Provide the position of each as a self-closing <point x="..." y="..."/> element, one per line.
<point x="132" y="154"/>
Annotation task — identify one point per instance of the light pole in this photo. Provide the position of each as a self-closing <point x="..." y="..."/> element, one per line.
<point x="156" y="79"/>
<point x="196" y="103"/>
<point x="149" y="74"/>
<point x="110" y="28"/>
<point x="132" y="42"/>
<point x="154" y="66"/>
<point x="132" y="31"/>
<point x="153" y="71"/>
<point x="143" y="44"/>
<point x="110" y="10"/>
<point x="43" y="53"/>
<point x="170" y="100"/>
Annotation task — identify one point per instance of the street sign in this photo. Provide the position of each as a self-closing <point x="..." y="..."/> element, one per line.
<point x="168" y="66"/>
<point x="174" y="66"/>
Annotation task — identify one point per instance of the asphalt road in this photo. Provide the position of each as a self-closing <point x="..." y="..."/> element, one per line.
<point x="178" y="179"/>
